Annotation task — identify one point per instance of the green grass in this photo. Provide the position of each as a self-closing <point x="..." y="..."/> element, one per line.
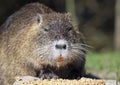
<point x="105" y="65"/>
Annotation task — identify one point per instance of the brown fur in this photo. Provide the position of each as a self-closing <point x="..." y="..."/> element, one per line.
<point x="22" y="34"/>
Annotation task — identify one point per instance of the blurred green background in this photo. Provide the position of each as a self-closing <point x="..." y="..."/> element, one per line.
<point x="98" y="20"/>
<point x="104" y="64"/>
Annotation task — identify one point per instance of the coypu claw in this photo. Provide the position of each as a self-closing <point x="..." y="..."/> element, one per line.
<point x="47" y="75"/>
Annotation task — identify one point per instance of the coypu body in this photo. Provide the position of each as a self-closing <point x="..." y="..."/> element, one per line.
<point x="37" y="41"/>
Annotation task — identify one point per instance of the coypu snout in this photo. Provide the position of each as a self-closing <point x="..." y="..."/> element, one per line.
<point x="60" y="49"/>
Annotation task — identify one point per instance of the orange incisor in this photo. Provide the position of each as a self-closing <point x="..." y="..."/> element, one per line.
<point x="60" y="58"/>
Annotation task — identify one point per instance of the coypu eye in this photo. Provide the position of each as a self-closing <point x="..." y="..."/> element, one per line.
<point x="70" y="28"/>
<point x="46" y="29"/>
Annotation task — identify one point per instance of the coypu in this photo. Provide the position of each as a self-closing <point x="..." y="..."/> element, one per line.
<point x="37" y="41"/>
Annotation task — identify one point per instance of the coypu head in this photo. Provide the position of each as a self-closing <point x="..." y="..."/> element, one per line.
<point x="57" y="42"/>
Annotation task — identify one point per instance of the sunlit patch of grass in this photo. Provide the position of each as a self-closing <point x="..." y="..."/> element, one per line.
<point x="108" y="62"/>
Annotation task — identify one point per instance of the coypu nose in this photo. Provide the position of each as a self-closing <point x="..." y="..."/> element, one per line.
<point x="60" y="46"/>
<point x="60" y="49"/>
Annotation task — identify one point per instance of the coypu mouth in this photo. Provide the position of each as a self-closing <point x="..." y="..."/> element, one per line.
<point x="60" y="58"/>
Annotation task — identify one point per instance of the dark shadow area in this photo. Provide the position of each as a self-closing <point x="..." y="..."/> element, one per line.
<point x="89" y="75"/>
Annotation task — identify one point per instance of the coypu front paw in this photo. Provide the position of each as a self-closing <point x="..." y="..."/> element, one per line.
<point x="47" y="75"/>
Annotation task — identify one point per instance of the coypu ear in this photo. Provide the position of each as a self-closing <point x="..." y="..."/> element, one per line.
<point x="68" y="15"/>
<point x="39" y="18"/>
